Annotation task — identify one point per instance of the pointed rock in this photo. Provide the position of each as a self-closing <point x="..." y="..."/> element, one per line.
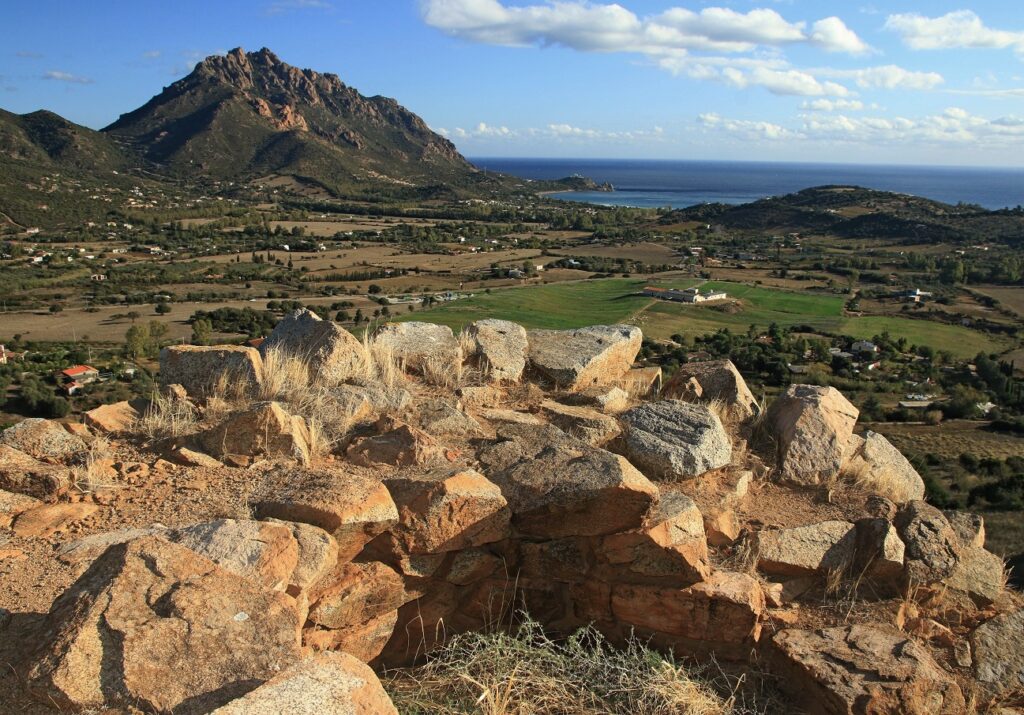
<point x="581" y="358"/>
<point x="332" y="353"/>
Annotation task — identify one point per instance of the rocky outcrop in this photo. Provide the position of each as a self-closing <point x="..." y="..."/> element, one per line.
<point x="204" y="370"/>
<point x="813" y="426"/>
<point x="397" y="445"/>
<point x="133" y="628"/>
<point x="501" y="346"/>
<point x="581" y="358"/>
<point x="113" y="419"/>
<point x="932" y="547"/>
<point x="591" y="426"/>
<point x="999" y="653"/>
<point x="332" y="353"/>
<point x="863" y="669"/>
<point x="825" y="547"/>
<point x="265" y="429"/>
<point x="671" y="439"/>
<point x="23" y="474"/>
<point x="718" y="380"/>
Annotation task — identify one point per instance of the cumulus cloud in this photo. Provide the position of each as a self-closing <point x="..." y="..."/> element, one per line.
<point x="554" y="131"/>
<point x="60" y="76"/>
<point x="834" y="105"/>
<point x="958" y="29"/>
<point x="598" y="27"/>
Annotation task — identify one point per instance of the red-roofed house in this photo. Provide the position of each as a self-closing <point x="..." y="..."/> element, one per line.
<point x="81" y="374"/>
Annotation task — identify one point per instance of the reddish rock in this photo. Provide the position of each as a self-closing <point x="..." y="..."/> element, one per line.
<point x="114" y="418"/>
<point x="265" y="429"/>
<point x="153" y="625"/>
<point x="364" y="641"/>
<point x="813" y="426"/>
<point x="398" y="445"/>
<point x="863" y="669"/>
<point x="202" y="369"/>
<point x="49" y="519"/>
<point x="447" y="511"/>
<point x="24" y="474"/>
<point x="352" y="507"/>
<point x="354" y="593"/>
<point x="332" y="353"/>
<point x="42" y="439"/>
<point x="717" y="380"/>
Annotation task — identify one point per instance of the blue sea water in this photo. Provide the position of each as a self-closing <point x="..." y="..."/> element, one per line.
<point x="651" y="183"/>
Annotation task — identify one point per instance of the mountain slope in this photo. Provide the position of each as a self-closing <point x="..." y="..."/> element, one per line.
<point x="243" y="115"/>
<point x="47" y="140"/>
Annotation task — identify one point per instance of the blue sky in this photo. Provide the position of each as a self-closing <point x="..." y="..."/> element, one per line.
<point x="869" y="82"/>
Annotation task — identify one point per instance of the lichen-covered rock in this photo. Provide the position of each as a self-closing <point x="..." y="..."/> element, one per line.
<point x="672" y="439"/>
<point x="880" y="553"/>
<point x="333" y="683"/>
<point x="863" y="669"/>
<point x="591" y="426"/>
<point x="355" y="593"/>
<point x="42" y="439"/>
<point x="932" y="547"/>
<point x="153" y="625"/>
<point x="441" y="417"/>
<point x="607" y="398"/>
<point x="979" y="574"/>
<point x="560" y="486"/>
<point x="201" y="369"/>
<point x="884" y="470"/>
<point x="969" y="528"/>
<point x="718" y="380"/>
<point x="398" y="445"/>
<point x="447" y="511"/>
<point x="502" y="346"/>
<point x="824" y="547"/>
<point x="265" y="429"/>
<point x="999" y="653"/>
<point x="352" y="507"/>
<point x="262" y="551"/>
<point x="813" y="426"/>
<point x="192" y="458"/>
<point x="419" y="345"/>
<point x="581" y="358"/>
<point x="318" y="554"/>
<point x="332" y="353"/>
<point x="24" y="474"/>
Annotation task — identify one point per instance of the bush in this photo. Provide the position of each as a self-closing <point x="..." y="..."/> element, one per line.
<point x="526" y="672"/>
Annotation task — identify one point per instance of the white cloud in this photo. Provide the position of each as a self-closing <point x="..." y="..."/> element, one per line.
<point x="151" y="54"/>
<point x="598" y="27"/>
<point x="556" y="131"/>
<point x="958" y="29"/>
<point x="282" y="6"/>
<point x="789" y="82"/>
<point x="751" y="130"/>
<point x="834" y="105"/>
<point x="833" y="35"/>
<point x="59" y="76"/>
<point x="886" y="77"/>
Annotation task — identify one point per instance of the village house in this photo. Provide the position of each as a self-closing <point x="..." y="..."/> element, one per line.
<point x="83" y="374"/>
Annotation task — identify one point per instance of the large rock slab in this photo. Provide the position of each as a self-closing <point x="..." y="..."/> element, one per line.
<point x="813" y="426"/>
<point x="979" y="574"/>
<point x="24" y="474"/>
<point x="200" y="369"/>
<point x="352" y="507"/>
<point x="13" y="504"/>
<point x="501" y="346"/>
<point x="48" y="519"/>
<point x="265" y="429"/>
<point x="581" y="358"/>
<point x="356" y="593"/>
<point x="155" y="626"/>
<point x="863" y="669"/>
<point x="397" y="445"/>
<point x="999" y="653"/>
<point x="420" y="346"/>
<point x="671" y="439"/>
<point x="828" y="546"/>
<point x="560" y="486"/>
<point x="883" y="469"/>
<point x="718" y="380"/>
<point x="262" y="551"/>
<point x="443" y="417"/>
<point x="447" y="511"/>
<point x="42" y="439"/>
<point x="332" y="353"/>
<point x="115" y="418"/>
<point x="333" y="683"/>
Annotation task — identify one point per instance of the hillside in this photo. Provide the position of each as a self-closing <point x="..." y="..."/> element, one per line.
<point x="243" y="115"/>
<point x="857" y="212"/>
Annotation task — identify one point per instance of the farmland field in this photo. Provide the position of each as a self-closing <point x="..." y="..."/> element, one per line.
<point x="618" y="300"/>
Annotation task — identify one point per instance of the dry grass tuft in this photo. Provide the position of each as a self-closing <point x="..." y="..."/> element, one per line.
<point x="443" y="373"/>
<point x="285" y="377"/>
<point x="94" y="473"/>
<point x="168" y="417"/>
<point x="380" y="363"/>
<point x="525" y="671"/>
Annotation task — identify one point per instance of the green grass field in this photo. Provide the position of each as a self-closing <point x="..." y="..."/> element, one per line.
<point x="617" y="300"/>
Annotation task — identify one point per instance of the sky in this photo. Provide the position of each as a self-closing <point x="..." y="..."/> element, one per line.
<point x="771" y="80"/>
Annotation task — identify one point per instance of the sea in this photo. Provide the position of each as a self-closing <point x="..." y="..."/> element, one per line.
<point x="678" y="184"/>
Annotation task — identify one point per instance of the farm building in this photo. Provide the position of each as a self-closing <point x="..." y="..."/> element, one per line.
<point x="690" y="295"/>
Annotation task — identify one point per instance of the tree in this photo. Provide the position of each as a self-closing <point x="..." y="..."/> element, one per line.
<point x="133" y="315"/>
<point x="56" y="308"/>
<point x="162" y="308"/>
<point x="202" y="329"/>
